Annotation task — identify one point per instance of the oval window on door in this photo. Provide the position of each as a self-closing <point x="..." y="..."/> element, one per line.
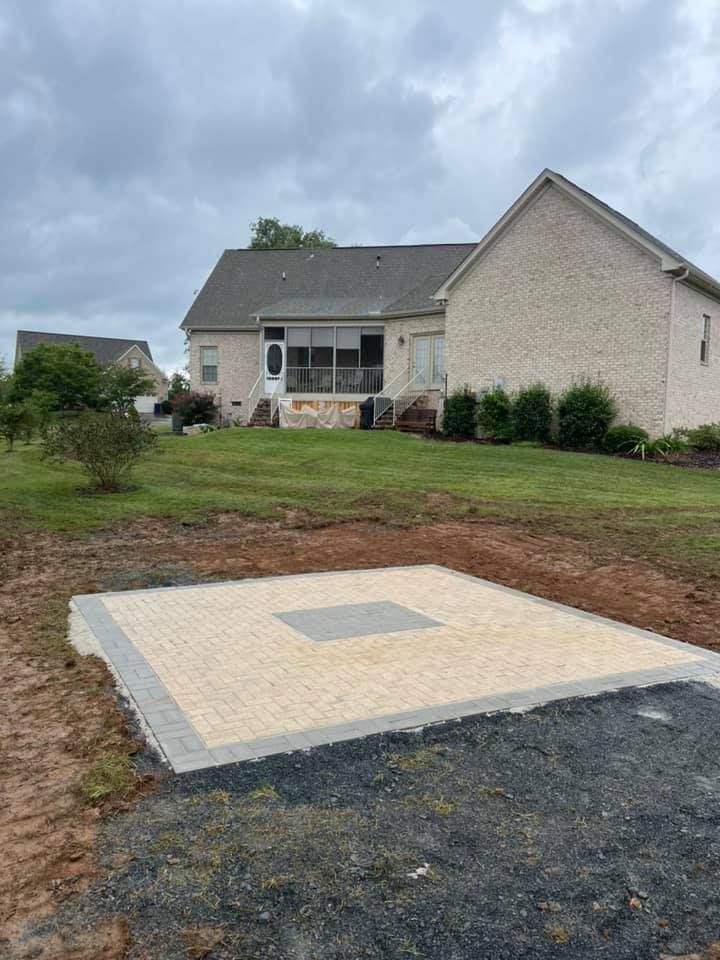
<point x="274" y="359"/>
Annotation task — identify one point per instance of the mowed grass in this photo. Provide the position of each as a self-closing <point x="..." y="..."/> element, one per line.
<point x="380" y="475"/>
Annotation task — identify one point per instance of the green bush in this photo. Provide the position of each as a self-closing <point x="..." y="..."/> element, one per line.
<point x="668" y="447"/>
<point x="585" y="412"/>
<point x="107" y="445"/>
<point x="16" y="420"/>
<point x="532" y="413"/>
<point x="623" y="437"/>
<point x="495" y="416"/>
<point x="704" y="437"/>
<point x="195" y="408"/>
<point x="460" y="413"/>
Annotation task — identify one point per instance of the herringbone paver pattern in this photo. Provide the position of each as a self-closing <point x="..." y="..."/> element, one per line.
<point x="239" y="673"/>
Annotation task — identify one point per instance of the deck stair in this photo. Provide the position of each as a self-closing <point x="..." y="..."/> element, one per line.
<point x="262" y="415"/>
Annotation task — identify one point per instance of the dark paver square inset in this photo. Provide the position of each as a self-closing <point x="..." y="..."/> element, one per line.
<point x="355" y="620"/>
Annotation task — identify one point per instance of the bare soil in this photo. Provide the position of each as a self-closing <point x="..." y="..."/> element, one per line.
<point x="58" y="713"/>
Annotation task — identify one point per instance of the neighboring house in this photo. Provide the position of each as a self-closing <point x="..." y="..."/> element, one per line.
<point x="129" y="353"/>
<point x="562" y="288"/>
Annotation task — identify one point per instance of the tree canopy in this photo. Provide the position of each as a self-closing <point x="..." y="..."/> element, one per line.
<point x="71" y="375"/>
<point x="269" y="234"/>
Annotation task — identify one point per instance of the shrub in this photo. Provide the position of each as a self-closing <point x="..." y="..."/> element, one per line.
<point x="532" y="413"/>
<point x="106" y="444"/>
<point x="166" y="407"/>
<point x="460" y="413"/>
<point x="667" y="447"/>
<point x="195" y="408"/>
<point x="585" y="412"/>
<point x="495" y="416"/>
<point x="623" y="437"/>
<point x="704" y="437"/>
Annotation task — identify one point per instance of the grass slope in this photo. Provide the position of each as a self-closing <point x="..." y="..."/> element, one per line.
<point x="386" y="476"/>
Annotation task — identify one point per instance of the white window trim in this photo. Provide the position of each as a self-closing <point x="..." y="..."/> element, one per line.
<point x="209" y="346"/>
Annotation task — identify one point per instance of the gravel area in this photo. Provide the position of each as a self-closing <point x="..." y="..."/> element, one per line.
<point x="585" y="828"/>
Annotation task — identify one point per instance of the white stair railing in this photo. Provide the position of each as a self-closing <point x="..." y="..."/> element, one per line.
<point x="383" y="400"/>
<point x="274" y="402"/>
<point x="256" y="395"/>
<point x="407" y="396"/>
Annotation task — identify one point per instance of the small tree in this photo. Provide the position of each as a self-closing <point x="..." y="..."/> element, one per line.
<point x="495" y="416"/>
<point x="460" y="413"/>
<point x="179" y="384"/>
<point x="106" y="444"/>
<point x="71" y="375"/>
<point x="120" y="386"/>
<point x="15" y="422"/>
<point x="532" y="413"/>
<point x="585" y="412"/>
<point x="195" y="407"/>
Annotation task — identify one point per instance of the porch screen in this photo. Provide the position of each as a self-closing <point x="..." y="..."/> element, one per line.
<point x="372" y="342"/>
<point x="348" y="347"/>
<point x="298" y="346"/>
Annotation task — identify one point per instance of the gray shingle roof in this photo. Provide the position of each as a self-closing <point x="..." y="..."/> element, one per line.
<point x="105" y="349"/>
<point x="337" y="282"/>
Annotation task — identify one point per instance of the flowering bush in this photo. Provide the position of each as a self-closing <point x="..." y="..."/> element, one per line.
<point x="195" y="407"/>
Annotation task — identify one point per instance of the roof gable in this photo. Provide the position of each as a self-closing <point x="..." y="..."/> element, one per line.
<point x="669" y="260"/>
<point x="328" y="282"/>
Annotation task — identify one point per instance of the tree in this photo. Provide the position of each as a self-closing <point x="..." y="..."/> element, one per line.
<point x="269" y="234"/>
<point x="179" y="384"/>
<point x="15" y="421"/>
<point x="68" y="373"/>
<point x="120" y="386"/>
<point x="106" y="444"/>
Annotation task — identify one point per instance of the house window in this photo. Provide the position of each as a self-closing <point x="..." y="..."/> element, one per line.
<point x="705" y="342"/>
<point x="135" y="363"/>
<point x="274" y="333"/>
<point x="438" y="360"/>
<point x="209" y="364"/>
<point x="428" y="360"/>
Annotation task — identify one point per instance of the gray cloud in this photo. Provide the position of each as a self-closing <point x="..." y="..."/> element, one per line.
<point x="139" y="140"/>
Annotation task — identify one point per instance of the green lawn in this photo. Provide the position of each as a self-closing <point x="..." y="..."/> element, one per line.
<point x="388" y="476"/>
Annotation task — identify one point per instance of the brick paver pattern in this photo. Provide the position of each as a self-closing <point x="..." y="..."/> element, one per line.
<point x="240" y="673"/>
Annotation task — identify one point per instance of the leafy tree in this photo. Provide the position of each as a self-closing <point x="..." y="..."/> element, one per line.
<point x="269" y="234"/>
<point x="15" y="421"/>
<point x="120" y="386"/>
<point x="107" y="445"/>
<point x="71" y="375"/>
<point x="179" y="384"/>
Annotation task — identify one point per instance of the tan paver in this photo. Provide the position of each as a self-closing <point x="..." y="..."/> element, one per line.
<point x="239" y="674"/>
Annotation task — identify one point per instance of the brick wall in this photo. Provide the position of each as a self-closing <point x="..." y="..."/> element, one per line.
<point x="693" y="395"/>
<point x="560" y="296"/>
<point x="397" y="356"/>
<point x="238" y="368"/>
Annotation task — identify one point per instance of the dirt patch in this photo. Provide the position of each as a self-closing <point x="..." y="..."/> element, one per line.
<point x="58" y="715"/>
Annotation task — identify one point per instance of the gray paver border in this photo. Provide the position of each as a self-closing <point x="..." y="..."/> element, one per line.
<point x="185" y="750"/>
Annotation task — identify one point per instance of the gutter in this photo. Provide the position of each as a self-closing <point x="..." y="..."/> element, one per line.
<point x="678" y="278"/>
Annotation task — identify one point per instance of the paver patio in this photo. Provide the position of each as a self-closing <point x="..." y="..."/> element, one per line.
<point x="234" y="671"/>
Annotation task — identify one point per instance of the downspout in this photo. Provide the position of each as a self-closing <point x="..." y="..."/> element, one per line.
<point x="675" y="280"/>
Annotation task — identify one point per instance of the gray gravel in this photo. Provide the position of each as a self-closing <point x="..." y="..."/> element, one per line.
<point x="583" y="829"/>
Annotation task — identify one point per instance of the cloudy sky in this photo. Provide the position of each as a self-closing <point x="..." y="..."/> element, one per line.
<point x="139" y="138"/>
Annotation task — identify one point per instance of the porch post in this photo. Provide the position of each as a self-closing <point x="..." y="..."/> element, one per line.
<point x="334" y="359"/>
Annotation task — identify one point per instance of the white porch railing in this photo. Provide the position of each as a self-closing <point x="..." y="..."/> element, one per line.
<point x="255" y="397"/>
<point x="367" y="380"/>
<point x="398" y="395"/>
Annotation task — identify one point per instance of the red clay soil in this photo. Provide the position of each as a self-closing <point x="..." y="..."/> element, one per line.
<point x="57" y="717"/>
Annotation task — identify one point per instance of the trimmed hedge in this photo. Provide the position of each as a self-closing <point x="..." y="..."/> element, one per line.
<point x="585" y="412"/>
<point x="495" y="416"/>
<point x="532" y="413"/>
<point x="460" y="414"/>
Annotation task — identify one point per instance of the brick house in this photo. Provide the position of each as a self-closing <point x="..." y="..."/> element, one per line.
<point x="561" y="288"/>
<point x="106" y="350"/>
